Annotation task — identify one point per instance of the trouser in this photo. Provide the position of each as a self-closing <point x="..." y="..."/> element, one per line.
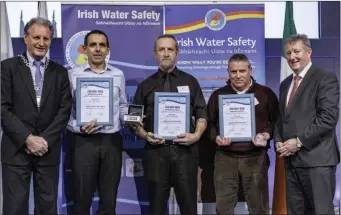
<point x="310" y="191"/>
<point x="172" y="166"/>
<point x="97" y="163"/>
<point x="16" y="188"/>
<point x="251" y="172"/>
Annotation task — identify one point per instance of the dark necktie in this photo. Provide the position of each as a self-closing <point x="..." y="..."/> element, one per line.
<point x="166" y="85"/>
<point x="294" y="89"/>
<point x="37" y="64"/>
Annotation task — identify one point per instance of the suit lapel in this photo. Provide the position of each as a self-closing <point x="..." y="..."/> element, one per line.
<point x="287" y="84"/>
<point x="25" y="73"/>
<point x="49" y="77"/>
<point x="303" y="85"/>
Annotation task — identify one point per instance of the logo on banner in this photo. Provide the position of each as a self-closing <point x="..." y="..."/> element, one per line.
<point x="75" y="52"/>
<point x="134" y="167"/>
<point x="215" y="19"/>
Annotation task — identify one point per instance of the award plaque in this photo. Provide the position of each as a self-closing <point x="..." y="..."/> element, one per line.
<point x="237" y="117"/>
<point x="171" y="114"/>
<point x="94" y="100"/>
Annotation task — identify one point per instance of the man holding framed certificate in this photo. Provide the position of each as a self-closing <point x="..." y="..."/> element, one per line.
<point x="241" y="119"/>
<point x="100" y="104"/>
<point x="171" y="98"/>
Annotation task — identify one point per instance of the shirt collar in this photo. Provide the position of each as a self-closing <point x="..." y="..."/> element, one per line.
<point x="31" y="59"/>
<point x="87" y="68"/>
<point x="304" y="71"/>
<point x="162" y="74"/>
<point x="252" y="81"/>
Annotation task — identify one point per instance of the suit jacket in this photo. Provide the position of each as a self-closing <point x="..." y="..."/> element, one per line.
<point x="312" y="117"/>
<point x="20" y="116"/>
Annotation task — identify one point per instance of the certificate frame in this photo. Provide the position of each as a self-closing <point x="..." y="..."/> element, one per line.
<point x="156" y="108"/>
<point x="80" y="81"/>
<point x="238" y="98"/>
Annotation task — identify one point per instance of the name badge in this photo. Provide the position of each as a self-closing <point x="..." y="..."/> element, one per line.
<point x="183" y="89"/>
<point x="38" y="100"/>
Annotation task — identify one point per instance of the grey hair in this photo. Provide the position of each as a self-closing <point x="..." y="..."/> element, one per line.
<point x="299" y="37"/>
<point x="166" y="36"/>
<point x="41" y="21"/>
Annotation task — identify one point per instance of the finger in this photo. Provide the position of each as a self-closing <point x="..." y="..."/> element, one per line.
<point x="181" y="135"/>
<point x="93" y="122"/>
<point x="44" y="142"/>
<point x="255" y="142"/>
<point x="43" y="146"/>
<point x="286" y="151"/>
<point x="220" y="144"/>
<point x="28" y="151"/>
<point x="179" y="140"/>
<point x="43" y="150"/>
<point x="218" y="139"/>
<point x="150" y="134"/>
<point x="87" y="125"/>
<point x="34" y="153"/>
<point x="38" y="153"/>
<point x="33" y="150"/>
<point x="95" y="129"/>
<point x="151" y="140"/>
<point x="281" y="150"/>
<point x="158" y="142"/>
<point x="285" y="154"/>
<point x="226" y="141"/>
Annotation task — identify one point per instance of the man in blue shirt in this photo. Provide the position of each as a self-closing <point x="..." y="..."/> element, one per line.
<point x="97" y="150"/>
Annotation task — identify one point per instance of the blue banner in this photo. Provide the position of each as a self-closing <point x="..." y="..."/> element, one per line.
<point x="211" y="34"/>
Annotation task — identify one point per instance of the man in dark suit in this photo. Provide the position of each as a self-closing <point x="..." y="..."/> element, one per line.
<point x="35" y="108"/>
<point x="305" y="131"/>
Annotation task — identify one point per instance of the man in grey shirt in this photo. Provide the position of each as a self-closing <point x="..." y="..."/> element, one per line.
<point x="97" y="150"/>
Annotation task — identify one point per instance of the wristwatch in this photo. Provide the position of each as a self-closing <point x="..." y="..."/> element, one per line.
<point x="298" y="144"/>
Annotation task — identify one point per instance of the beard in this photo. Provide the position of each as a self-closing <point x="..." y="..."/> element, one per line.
<point x="167" y="65"/>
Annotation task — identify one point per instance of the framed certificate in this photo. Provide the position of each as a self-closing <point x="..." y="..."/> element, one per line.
<point x="171" y="114"/>
<point x="237" y="117"/>
<point x="94" y="100"/>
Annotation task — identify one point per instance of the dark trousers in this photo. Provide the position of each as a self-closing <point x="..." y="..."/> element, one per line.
<point x="97" y="163"/>
<point x="172" y="166"/>
<point x="251" y="172"/>
<point x="16" y="189"/>
<point x="310" y="191"/>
